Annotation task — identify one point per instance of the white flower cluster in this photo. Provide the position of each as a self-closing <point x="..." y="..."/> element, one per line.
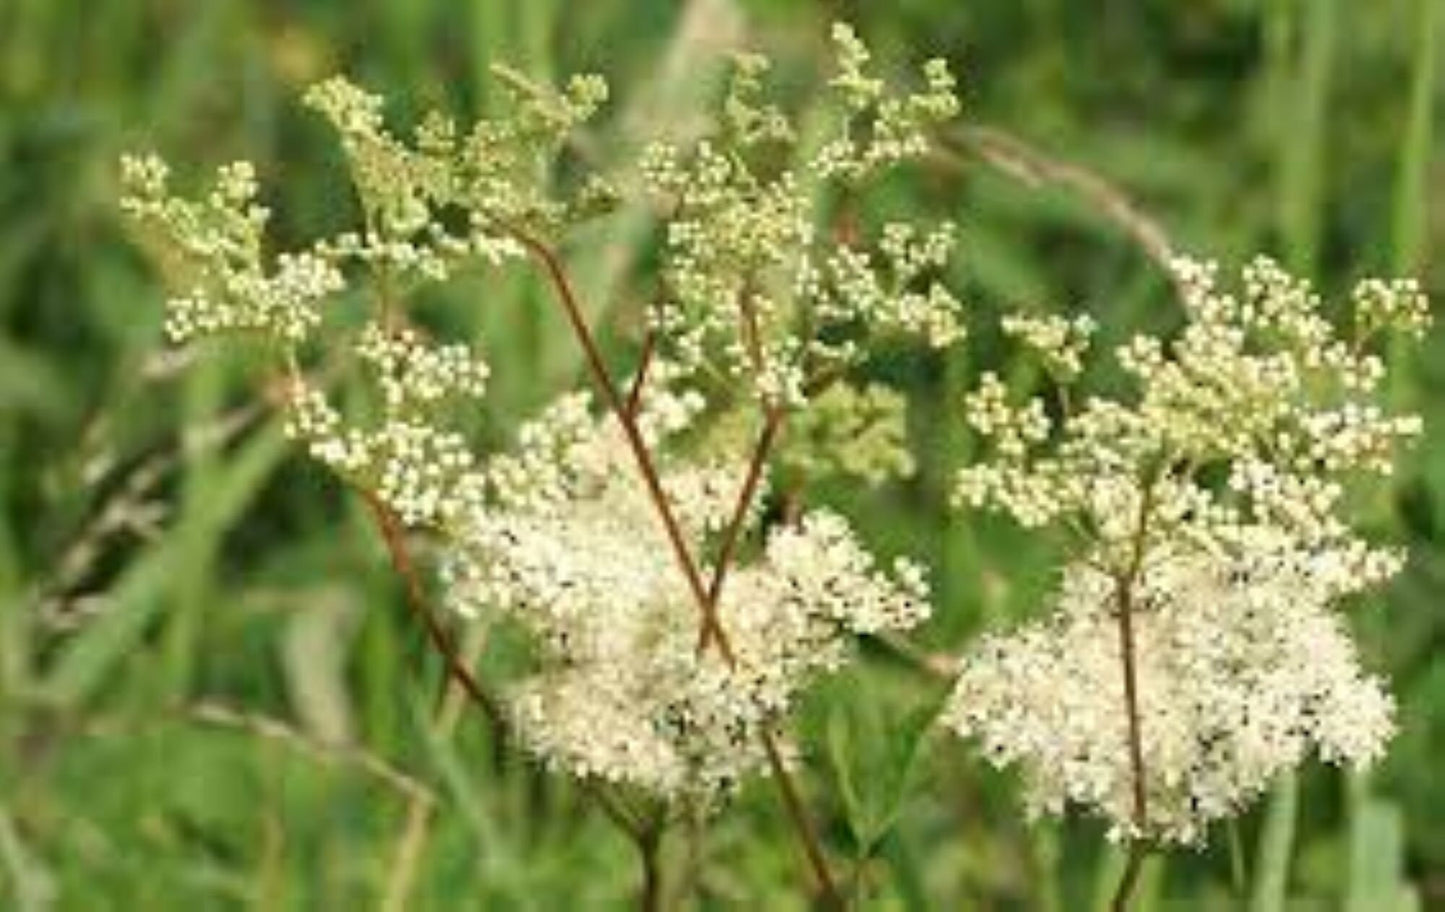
<point x="888" y="298"/>
<point x="572" y="550"/>
<point x="229" y="285"/>
<point x="410" y="371"/>
<point x="414" y="463"/>
<point x="1210" y="506"/>
<point x="1244" y="669"/>
<point x="758" y="289"/>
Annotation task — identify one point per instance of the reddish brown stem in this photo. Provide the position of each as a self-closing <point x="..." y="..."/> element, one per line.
<point x="644" y="362"/>
<point x="733" y="534"/>
<point x="650" y="897"/>
<point x="830" y="897"/>
<point x="395" y="538"/>
<point x="1125" y="614"/>
<point x="1133" y="866"/>
<point x="643" y="457"/>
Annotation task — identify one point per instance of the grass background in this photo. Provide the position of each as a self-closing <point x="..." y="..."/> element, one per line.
<point x="210" y="694"/>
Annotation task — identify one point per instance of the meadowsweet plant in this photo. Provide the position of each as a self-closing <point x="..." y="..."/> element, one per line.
<point x="1194" y="650"/>
<point x="674" y="625"/>
<point x="649" y="534"/>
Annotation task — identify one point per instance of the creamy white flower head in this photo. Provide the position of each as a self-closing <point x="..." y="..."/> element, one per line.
<point x="1244" y="669"/>
<point x="1208" y="501"/>
<point x="572" y="551"/>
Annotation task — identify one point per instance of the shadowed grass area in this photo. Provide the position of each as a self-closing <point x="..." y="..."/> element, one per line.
<point x="211" y="692"/>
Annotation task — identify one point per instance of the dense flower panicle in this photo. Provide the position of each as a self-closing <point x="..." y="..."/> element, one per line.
<point x="759" y="290"/>
<point x="579" y="560"/>
<point x="1210" y="504"/>
<point x="1244" y="668"/>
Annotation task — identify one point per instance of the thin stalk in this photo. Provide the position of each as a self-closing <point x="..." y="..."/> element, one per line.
<point x="391" y="533"/>
<point x="615" y="403"/>
<point x="619" y="815"/>
<point x="1133" y="865"/>
<point x="808" y="836"/>
<point x="688" y="881"/>
<point x="771" y="427"/>
<point x="645" y="836"/>
<point x="650" y="898"/>
<point x="711" y="629"/>
<point x="411" y="844"/>
<point x="793" y="803"/>
<point x="931" y="665"/>
<point x="1125" y="615"/>
<point x="644" y="361"/>
<point x="1131" y="700"/>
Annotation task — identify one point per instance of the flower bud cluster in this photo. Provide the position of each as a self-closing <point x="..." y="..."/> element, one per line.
<point x="759" y="291"/>
<point x="1061" y="343"/>
<point x="229" y="285"/>
<point x="850" y="431"/>
<point x="486" y="178"/>
<point x="409" y="458"/>
<point x="882" y="129"/>
<point x="1258" y="387"/>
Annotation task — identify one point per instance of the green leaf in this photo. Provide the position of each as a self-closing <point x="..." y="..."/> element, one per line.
<point x="873" y="752"/>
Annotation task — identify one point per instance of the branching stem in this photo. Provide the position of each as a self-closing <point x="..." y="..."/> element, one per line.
<point x="711" y="630"/>
<point x="772" y="425"/>
<point x="644" y="361"/>
<point x="602" y="378"/>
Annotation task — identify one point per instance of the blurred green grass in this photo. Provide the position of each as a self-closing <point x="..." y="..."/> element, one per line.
<point x="210" y="696"/>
